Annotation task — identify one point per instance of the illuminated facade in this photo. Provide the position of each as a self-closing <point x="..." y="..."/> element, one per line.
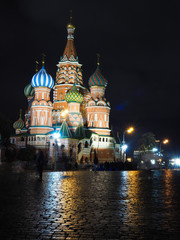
<point x="81" y="116"/>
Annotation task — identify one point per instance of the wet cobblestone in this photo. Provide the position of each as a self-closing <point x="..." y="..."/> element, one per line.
<point x="87" y="205"/>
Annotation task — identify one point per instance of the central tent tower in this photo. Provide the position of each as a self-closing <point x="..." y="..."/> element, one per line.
<point x="68" y="73"/>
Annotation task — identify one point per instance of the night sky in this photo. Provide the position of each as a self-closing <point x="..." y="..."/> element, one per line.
<point x="139" y="44"/>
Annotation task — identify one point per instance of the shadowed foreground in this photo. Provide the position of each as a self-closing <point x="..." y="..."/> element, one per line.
<point x="89" y="205"/>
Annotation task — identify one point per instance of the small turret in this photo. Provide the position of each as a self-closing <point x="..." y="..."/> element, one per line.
<point x="19" y="124"/>
<point x="74" y="99"/>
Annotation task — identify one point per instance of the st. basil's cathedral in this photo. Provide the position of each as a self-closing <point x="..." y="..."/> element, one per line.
<point x="78" y="116"/>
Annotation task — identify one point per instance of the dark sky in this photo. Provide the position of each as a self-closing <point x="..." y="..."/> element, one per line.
<point x="139" y="44"/>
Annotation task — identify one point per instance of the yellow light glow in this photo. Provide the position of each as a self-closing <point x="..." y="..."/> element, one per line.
<point x="166" y="141"/>
<point x="64" y="112"/>
<point x="130" y="130"/>
<point x="129" y="159"/>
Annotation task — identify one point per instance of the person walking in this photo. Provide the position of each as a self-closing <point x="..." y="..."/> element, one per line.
<point x="95" y="161"/>
<point x="40" y="163"/>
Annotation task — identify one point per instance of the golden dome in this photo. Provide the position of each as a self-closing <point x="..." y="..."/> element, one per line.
<point x="70" y="25"/>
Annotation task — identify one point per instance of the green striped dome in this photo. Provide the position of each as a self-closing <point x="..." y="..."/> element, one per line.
<point x="19" y="124"/>
<point x="29" y="90"/>
<point x="74" y="96"/>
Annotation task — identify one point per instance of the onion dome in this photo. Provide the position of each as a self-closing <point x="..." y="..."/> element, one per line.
<point x="29" y="91"/>
<point x="70" y="25"/>
<point x="73" y="95"/>
<point x="42" y="79"/>
<point x="97" y="79"/>
<point x="19" y="124"/>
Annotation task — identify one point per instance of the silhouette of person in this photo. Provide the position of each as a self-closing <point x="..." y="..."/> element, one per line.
<point x="95" y="161"/>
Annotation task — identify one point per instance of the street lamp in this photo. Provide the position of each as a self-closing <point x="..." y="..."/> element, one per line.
<point x="56" y="136"/>
<point x="124" y="146"/>
<point x="165" y="141"/>
<point x="155" y="149"/>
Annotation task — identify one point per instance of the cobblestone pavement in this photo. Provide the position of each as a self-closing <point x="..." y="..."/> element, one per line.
<point x="90" y="205"/>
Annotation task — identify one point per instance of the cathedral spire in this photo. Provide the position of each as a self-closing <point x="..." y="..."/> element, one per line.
<point x="70" y="48"/>
<point x="98" y="59"/>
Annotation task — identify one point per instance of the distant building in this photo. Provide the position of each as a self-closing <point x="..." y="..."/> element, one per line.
<point x="81" y="116"/>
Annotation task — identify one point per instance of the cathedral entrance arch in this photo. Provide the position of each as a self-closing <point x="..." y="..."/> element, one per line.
<point x="79" y="147"/>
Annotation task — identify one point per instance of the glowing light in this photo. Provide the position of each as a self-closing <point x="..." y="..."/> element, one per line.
<point x="166" y="141"/>
<point x="130" y="130"/>
<point x="64" y="112"/>
<point x="177" y="161"/>
<point x="154" y="149"/>
<point x="56" y="135"/>
<point x="124" y="147"/>
<point x="153" y="161"/>
<point x="129" y="159"/>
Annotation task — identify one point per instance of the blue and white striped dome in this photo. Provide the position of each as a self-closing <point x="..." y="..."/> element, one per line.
<point x="42" y="79"/>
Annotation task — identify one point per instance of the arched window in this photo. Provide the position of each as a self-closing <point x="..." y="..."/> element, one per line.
<point x="79" y="147"/>
<point x="81" y="161"/>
